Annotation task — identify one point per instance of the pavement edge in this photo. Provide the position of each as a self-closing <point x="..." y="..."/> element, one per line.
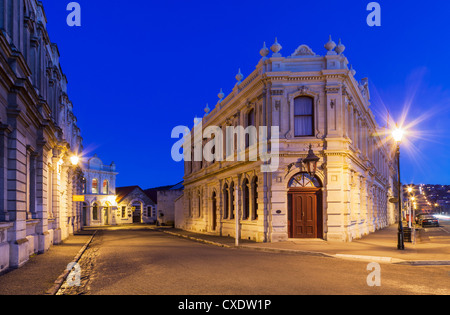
<point x="59" y="282"/>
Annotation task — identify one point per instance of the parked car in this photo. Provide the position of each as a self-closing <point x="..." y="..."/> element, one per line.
<point x="428" y="220"/>
<point x="418" y="216"/>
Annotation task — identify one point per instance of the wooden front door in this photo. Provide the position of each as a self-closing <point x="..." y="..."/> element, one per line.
<point x="137" y="214"/>
<point x="105" y="216"/>
<point x="304" y="215"/>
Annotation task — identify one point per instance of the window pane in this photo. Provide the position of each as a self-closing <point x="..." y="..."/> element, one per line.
<point x="255" y="199"/>
<point x="303" y="126"/>
<point x="251" y="118"/>
<point x="225" y="202"/>
<point x="95" y="212"/>
<point x="105" y="187"/>
<point x="94" y="186"/>
<point x="303" y="116"/>
<point x="246" y="201"/>
<point x="303" y="106"/>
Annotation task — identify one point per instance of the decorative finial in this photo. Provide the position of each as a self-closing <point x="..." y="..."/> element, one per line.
<point x="207" y="109"/>
<point x="352" y="71"/>
<point x="276" y="47"/>
<point x="330" y="46"/>
<point x="264" y="51"/>
<point x="239" y="76"/>
<point x="340" y="48"/>
<point x="221" y="95"/>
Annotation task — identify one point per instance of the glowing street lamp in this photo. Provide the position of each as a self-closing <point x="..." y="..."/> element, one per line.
<point x="74" y="160"/>
<point x="397" y="135"/>
<point x="311" y="162"/>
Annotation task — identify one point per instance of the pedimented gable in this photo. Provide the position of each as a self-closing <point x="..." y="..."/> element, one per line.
<point x="303" y="51"/>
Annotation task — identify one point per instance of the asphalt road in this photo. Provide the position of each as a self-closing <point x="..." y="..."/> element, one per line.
<point x="438" y="234"/>
<point x="146" y="262"/>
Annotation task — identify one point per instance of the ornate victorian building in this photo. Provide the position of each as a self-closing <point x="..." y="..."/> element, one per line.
<point x="312" y="100"/>
<point x="106" y="204"/>
<point x="99" y="189"/>
<point x="38" y="135"/>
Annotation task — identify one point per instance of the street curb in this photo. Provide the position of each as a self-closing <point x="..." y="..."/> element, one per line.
<point x="382" y="259"/>
<point x="200" y="240"/>
<point x="425" y="262"/>
<point x="287" y="251"/>
<point x="59" y="282"/>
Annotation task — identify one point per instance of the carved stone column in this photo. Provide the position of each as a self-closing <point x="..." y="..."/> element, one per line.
<point x="4" y="133"/>
<point x="42" y="203"/>
<point x="237" y="205"/>
<point x="56" y="202"/>
<point x="16" y="184"/>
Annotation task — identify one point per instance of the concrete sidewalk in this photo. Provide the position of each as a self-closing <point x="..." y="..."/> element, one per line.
<point x="39" y="274"/>
<point x="380" y="246"/>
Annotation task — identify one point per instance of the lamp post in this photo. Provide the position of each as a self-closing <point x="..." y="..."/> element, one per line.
<point x="409" y="205"/>
<point x="397" y="134"/>
<point x="413" y="205"/>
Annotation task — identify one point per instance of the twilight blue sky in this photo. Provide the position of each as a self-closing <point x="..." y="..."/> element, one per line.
<point x="137" y="69"/>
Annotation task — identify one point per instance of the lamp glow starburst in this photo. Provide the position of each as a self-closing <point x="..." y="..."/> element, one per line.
<point x="74" y="160"/>
<point x="398" y="134"/>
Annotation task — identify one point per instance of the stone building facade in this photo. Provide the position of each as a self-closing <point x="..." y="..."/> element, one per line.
<point x="312" y="100"/>
<point x="99" y="189"/>
<point x="134" y="206"/>
<point x="38" y="135"/>
<point x="166" y="204"/>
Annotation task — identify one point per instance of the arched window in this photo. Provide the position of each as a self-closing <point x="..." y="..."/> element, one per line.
<point x="249" y="140"/>
<point x="303" y="180"/>
<point x="246" y="197"/>
<point x="225" y="201"/>
<point x="199" y="203"/>
<point x="251" y="118"/>
<point x="105" y="187"/>
<point x="190" y="205"/>
<point x="95" y="186"/>
<point x="95" y="212"/>
<point x="214" y="210"/>
<point x="255" y="198"/>
<point x="303" y="116"/>
<point x="231" y="201"/>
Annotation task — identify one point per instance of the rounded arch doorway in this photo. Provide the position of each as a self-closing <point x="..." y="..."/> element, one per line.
<point x="137" y="207"/>
<point x="305" y="214"/>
